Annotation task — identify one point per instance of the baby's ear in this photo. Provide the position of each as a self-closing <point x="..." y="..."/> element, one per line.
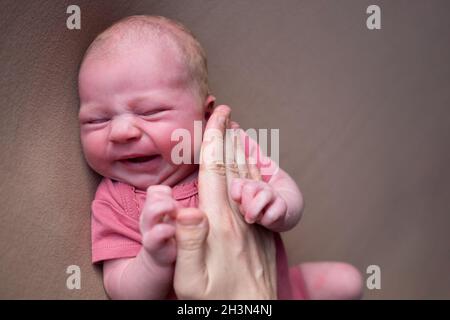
<point x="209" y="106"/>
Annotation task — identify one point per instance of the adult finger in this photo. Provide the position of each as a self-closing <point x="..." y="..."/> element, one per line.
<point x="212" y="174"/>
<point x="191" y="275"/>
<point x="211" y="153"/>
<point x="240" y="154"/>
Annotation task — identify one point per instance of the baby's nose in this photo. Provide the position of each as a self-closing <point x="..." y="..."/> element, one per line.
<point x="124" y="129"/>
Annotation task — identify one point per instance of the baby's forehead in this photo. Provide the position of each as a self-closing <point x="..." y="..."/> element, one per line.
<point x="120" y="45"/>
<point x="123" y="38"/>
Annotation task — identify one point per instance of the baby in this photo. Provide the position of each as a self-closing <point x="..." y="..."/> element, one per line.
<point x="140" y="80"/>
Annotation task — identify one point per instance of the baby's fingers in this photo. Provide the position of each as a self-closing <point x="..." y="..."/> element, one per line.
<point x="249" y="191"/>
<point x="236" y="189"/>
<point x="234" y="125"/>
<point x="275" y="212"/>
<point x="160" y="243"/>
<point x="156" y="213"/>
<point x="248" y="194"/>
<point x="157" y="237"/>
<point x="255" y="210"/>
<point x="159" y="207"/>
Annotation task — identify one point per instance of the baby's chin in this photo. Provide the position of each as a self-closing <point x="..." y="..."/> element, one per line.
<point x="168" y="175"/>
<point x="141" y="182"/>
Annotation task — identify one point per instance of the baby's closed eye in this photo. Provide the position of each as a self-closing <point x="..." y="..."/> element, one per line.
<point x="96" y="121"/>
<point x="152" y="112"/>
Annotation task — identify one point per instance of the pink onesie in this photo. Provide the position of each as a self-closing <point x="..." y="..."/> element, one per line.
<point x="115" y="229"/>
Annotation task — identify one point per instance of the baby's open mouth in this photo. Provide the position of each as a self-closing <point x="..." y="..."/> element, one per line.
<point x="140" y="159"/>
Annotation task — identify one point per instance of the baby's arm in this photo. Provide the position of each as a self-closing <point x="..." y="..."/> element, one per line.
<point x="288" y="190"/>
<point x="150" y="274"/>
<point x="276" y="204"/>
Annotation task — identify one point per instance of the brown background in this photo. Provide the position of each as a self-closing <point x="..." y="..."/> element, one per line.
<point x="364" y="120"/>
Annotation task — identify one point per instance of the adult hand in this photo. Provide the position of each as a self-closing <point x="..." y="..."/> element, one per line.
<point x="219" y="255"/>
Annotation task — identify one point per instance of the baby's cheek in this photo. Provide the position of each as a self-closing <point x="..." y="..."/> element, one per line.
<point x="164" y="143"/>
<point x="93" y="148"/>
<point x="178" y="143"/>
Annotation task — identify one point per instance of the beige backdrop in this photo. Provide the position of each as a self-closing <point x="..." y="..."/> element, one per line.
<point x="364" y="120"/>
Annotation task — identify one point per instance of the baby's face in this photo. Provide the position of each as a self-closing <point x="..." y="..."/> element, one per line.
<point x="129" y="106"/>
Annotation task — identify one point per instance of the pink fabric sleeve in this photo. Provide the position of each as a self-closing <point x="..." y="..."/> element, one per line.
<point x="114" y="225"/>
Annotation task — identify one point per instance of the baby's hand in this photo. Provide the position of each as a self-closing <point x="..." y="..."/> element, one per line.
<point x="157" y="225"/>
<point x="259" y="202"/>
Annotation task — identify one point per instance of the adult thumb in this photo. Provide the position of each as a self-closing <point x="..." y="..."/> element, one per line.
<point x="191" y="275"/>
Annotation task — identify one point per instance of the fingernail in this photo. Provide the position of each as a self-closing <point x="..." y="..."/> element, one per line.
<point x="250" y="221"/>
<point x="189" y="220"/>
